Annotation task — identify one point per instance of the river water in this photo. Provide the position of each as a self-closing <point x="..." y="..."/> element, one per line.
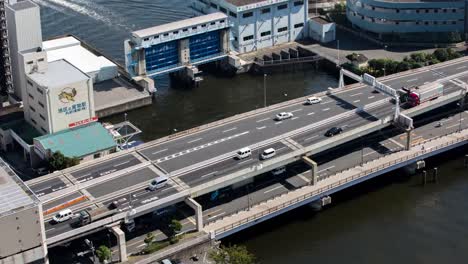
<point x="389" y="220"/>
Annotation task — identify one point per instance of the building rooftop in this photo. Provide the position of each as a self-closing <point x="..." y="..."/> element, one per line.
<point x="78" y="142"/>
<point x="144" y="33"/>
<point x="70" y="49"/>
<point x="15" y="121"/>
<point x="244" y="2"/>
<point x="58" y="74"/>
<point x="23" y="5"/>
<point x="321" y="20"/>
<point x="14" y="194"/>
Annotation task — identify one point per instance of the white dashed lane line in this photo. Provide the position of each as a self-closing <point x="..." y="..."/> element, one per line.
<point x="297" y="110"/>
<point x="261" y="120"/>
<point x="231" y="129"/>
<point x="310" y="113"/>
<point x="260" y="128"/>
<point x="353" y="95"/>
<point x="159" y="151"/>
<point x="195" y="140"/>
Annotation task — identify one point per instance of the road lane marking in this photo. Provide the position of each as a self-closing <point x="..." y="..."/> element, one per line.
<point x="242" y="162"/>
<point x="50" y="229"/>
<point x="272" y="189"/>
<point x="412" y="80"/>
<point x="370" y="97"/>
<point x="355" y="94"/>
<point x="195" y="140"/>
<point x="294" y="118"/>
<point x="120" y="164"/>
<point x="396" y="143"/>
<point x="456" y="125"/>
<point x="231" y="129"/>
<point x="357" y="101"/>
<point x="327" y="102"/>
<point x="331" y="167"/>
<point x="461" y="67"/>
<point x="326" y="109"/>
<point x="313" y="113"/>
<point x="260" y="128"/>
<point x="297" y="110"/>
<point x="261" y="120"/>
<point x="370" y="153"/>
<point x="309" y="138"/>
<point x="214" y="216"/>
<point x="277" y="123"/>
<point x="211" y="173"/>
<point x="142" y="245"/>
<point x="159" y="151"/>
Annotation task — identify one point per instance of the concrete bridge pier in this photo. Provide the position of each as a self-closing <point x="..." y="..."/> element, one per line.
<point x="408" y="138"/>
<point x="198" y="212"/>
<point x="120" y="242"/>
<point x="313" y="170"/>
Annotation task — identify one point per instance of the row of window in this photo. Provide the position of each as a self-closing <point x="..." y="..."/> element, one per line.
<point x="185" y="30"/>
<point x="37" y="89"/>
<point x="35" y="123"/>
<point x="416" y="22"/>
<point x="414" y="10"/>
<point x="268" y="33"/>
<point x="249" y="14"/>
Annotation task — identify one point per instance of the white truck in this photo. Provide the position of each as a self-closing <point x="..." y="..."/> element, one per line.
<point x="420" y="94"/>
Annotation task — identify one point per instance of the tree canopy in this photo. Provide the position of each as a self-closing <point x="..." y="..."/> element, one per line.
<point x="232" y="255"/>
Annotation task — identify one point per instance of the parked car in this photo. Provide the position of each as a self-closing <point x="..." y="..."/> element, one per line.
<point x="334" y="131"/>
<point x="313" y="100"/>
<point x="283" y="116"/>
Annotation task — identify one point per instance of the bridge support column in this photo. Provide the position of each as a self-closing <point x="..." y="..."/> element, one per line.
<point x="408" y="138"/>
<point x="120" y="242"/>
<point x="341" y="82"/>
<point x="198" y="212"/>
<point x="313" y="165"/>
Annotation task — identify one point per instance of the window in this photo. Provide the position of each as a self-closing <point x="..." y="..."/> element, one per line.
<point x="30" y="83"/>
<point x="41" y="104"/>
<point x="248" y="37"/>
<point x="298" y="3"/>
<point x="30" y="96"/>
<point x="42" y="117"/>
<point x="282" y="29"/>
<point x="166" y="34"/>
<point x="248" y="14"/>
<point x="281" y="7"/>
<point x="146" y="39"/>
<point x="214" y="5"/>
<point x="213" y="23"/>
<point x="204" y="25"/>
<point x="222" y="9"/>
<point x="32" y="109"/>
<point x="29" y="62"/>
<point x="222" y="21"/>
<point x="299" y="25"/>
<point x="194" y="28"/>
<point x="266" y="33"/>
<point x="265" y="10"/>
<point x="43" y="130"/>
<point x="33" y="121"/>
<point x="175" y="32"/>
<point x="156" y="37"/>
<point x="41" y="59"/>
<point x="232" y="14"/>
<point x="185" y="29"/>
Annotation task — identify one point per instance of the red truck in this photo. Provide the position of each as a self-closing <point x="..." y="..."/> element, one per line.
<point x="420" y="94"/>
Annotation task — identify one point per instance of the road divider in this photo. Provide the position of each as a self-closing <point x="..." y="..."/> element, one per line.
<point x="65" y="205"/>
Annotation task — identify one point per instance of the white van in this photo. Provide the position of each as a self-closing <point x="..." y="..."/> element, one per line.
<point x="158" y="183"/>
<point x="268" y="153"/>
<point x="63" y="216"/>
<point x="244" y="153"/>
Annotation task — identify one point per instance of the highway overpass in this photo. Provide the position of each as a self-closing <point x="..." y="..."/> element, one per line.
<point x="201" y="160"/>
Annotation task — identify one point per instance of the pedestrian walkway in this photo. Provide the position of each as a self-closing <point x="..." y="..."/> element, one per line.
<point x="332" y="184"/>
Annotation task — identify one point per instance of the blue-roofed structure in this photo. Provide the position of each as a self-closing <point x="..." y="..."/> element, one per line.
<point x="85" y="142"/>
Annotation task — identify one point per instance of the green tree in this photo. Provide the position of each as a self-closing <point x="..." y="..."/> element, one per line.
<point x="403" y="66"/>
<point x="58" y="161"/>
<point x="232" y="255"/>
<point x="149" y="238"/>
<point x="441" y="54"/>
<point x="175" y="227"/>
<point x="419" y="57"/>
<point x="103" y="253"/>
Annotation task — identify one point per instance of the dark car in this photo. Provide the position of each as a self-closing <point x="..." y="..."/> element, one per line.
<point x="334" y="131"/>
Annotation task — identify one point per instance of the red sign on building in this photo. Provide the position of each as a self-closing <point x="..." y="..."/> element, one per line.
<point x="83" y="122"/>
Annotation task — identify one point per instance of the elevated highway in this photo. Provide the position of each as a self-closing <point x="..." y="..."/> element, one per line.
<point x="201" y="160"/>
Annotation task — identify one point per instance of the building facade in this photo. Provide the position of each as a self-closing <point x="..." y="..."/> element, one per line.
<point x="407" y="18"/>
<point x="54" y="103"/>
<point x="5" y="61"/>
<point x="257" y="24"/>
<point x="24" y="33"/>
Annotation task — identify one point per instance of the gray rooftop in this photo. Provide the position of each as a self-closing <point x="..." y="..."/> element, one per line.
<point x="58" y="74"/>
<point x="23" y="5"/>
<point x="14" y="194"/>
<point x="244" y="2"/>
<point x="143" y="33"/>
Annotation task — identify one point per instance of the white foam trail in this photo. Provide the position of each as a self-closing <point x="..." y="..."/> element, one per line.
<point x="48" y="5"/>
<point x="117" y="19"/>
<point x="81" y="10"/>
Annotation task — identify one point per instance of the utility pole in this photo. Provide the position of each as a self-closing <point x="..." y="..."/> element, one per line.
<point x="264" y="90"/>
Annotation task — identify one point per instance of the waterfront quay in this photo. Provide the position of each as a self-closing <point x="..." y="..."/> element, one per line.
<point x="200" y="160"/>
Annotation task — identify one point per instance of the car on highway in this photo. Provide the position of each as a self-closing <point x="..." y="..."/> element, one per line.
<point x="334" y="131"/>
<point x="268" y="153"/>
<point x="62" y="216"/>
<point x="158" y="183"/>
<point x="283" y="116"/>
<point x="278" y="170"/>
<point x="243" y="153"/>
<point x="313" y="100"/>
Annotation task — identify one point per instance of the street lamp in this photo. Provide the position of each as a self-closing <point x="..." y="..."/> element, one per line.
<point x="89" y="243"/>
<point x="264" y="90"/>
<point x="338" y="47"/>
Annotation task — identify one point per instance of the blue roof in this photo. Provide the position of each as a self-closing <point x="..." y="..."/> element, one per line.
<point x="79" y="142"/>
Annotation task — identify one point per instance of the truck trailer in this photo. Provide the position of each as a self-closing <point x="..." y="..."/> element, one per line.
<point x="420" y="94"/>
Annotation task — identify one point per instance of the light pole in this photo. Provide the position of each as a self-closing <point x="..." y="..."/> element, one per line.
<point x="338" y="47"/>
<point x="264" y="90"/>
<point x="89" y="243"/>
<point x="126" y="129"/>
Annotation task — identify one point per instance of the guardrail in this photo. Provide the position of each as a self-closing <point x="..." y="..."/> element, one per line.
<point x="337" y="184"/>
<point x="286" y="61"/>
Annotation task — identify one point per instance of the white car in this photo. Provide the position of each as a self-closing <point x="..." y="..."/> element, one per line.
<point x="278" y="171"/>
<point x="283" y="116"/>
<point x="313" y="100"/>
<point x="268" y="153"/>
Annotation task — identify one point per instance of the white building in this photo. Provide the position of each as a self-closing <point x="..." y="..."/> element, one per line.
<point x="257" y="24"/>
<point x="54" y="103"/>
<point x="25" y="33"/>
<point x="322" y="30"/>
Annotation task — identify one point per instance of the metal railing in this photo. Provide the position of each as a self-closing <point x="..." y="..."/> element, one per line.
<point x="337" y="184"/>
<point x="285" y="61"/>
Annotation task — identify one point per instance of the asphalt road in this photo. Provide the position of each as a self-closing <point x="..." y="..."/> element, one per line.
<point x="48" y="186"/>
